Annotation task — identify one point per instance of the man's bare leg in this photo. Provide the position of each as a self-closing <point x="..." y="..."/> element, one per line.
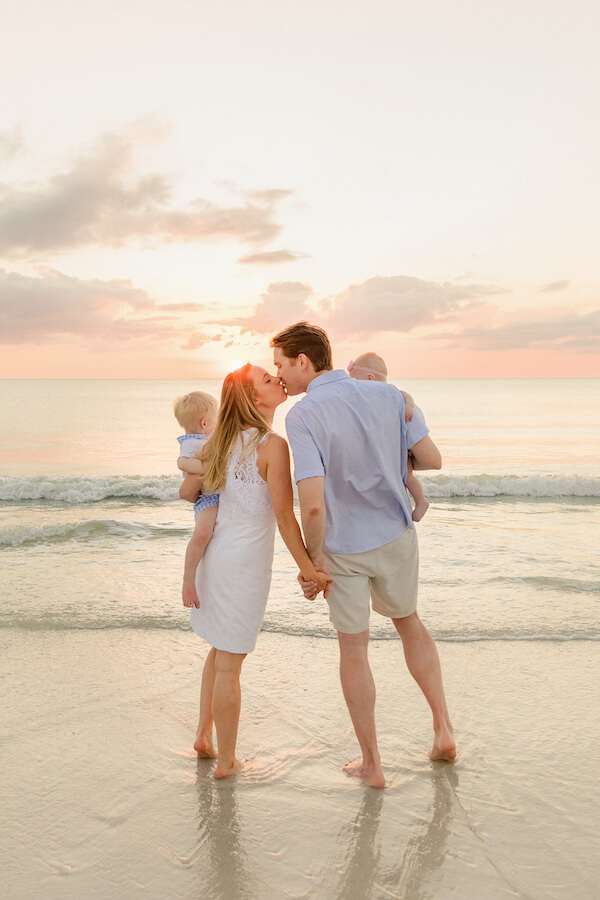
<point x="359" y="692"/>
<point x="423" y="664"/>
<point x="226" y="705"/>
<point x="203" y="744"/>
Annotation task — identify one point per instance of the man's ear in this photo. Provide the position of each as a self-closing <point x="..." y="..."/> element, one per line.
<point x="303" y="360"/>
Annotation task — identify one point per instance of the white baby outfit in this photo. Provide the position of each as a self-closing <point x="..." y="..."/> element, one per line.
<point x="234" y="576"/>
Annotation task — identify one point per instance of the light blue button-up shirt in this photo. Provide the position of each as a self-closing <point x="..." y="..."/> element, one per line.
<point x="353" y="434"/>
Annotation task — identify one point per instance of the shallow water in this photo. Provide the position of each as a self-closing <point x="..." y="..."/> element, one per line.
<point x="93" y="535"/>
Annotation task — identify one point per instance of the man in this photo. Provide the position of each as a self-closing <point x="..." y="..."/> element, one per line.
<point x="350" y="444"/>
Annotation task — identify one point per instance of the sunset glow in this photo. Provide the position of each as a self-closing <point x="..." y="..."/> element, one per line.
<point x="223" y="177"/>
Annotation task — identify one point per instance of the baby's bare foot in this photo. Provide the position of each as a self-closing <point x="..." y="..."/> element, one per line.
<point x="420" y="510"/>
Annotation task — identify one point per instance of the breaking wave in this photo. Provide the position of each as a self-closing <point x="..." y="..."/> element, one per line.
<point x="82" y="489"/>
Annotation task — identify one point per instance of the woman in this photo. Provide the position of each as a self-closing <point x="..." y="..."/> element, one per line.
<point x="250" y="465"/>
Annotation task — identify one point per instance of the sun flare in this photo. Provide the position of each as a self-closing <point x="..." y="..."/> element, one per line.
<point x="236" y="364"/>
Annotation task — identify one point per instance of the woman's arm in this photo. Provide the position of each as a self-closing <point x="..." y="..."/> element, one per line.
<point x="277" y="458"/>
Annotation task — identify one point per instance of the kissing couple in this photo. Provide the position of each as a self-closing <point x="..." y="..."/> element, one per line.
<point x="354" y="446"/>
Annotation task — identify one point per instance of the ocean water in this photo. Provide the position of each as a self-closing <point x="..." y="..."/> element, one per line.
<point x="92" y="533"/>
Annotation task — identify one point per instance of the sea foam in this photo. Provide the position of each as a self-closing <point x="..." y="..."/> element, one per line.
<point x="83" y="489"/>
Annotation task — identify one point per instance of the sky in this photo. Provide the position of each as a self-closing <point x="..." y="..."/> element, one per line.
<point x="181" y="179"/>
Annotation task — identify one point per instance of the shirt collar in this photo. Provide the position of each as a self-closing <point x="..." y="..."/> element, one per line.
<point x="186" y="437"/>
<point x="327" y="378"/>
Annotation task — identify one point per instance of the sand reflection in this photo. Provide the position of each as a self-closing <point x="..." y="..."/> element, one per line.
<point x="368" y="870"/>
<point x="223" y="862"/>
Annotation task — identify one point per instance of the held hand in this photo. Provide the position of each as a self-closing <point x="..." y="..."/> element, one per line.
<point x="409" y="409"/>
<point x="310" y="589"/>
<point x="189" y="596"/>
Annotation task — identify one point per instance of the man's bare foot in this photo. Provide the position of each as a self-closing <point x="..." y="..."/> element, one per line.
<point x="444" y="745"/>
<point x="204" y="747"/>
<point x="371" y="775"/>
<point x="420" y="510"/>
<point x="224" y="770"/>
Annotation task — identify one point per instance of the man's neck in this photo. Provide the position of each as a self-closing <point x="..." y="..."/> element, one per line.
<point x="316" y="375"/>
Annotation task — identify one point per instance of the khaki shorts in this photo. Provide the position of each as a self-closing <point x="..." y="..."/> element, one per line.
<point x="387" y="576"/>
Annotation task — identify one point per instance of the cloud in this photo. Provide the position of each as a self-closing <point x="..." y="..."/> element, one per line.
<point x="53" y="306"/>
<point x="399" y="303"/>
<point x="395" y="303"/>
<point x="271" y="257"/>
<point x="573" y="332"/>
<point x="199" y="339"/>
<point x="554" y="286"/>
<point x="283" y="303"/>
<point x="99" y="201"/>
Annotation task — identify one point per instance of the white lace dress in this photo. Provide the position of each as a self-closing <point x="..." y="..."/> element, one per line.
<point x="234" y="577"/>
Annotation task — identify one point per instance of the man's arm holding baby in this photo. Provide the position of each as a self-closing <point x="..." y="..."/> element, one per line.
<point x="425" y="455"/>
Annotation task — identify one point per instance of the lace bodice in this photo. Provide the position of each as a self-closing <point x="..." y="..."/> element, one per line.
<point x="245" y="491"/>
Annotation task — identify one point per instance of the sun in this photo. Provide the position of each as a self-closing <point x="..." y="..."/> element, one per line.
<point x="236" y="364"/>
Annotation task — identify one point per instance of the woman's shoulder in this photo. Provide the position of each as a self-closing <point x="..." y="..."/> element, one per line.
<point x="274" y="444"/>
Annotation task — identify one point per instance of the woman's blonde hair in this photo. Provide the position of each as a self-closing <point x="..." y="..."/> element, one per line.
<point x="237" y="412"/>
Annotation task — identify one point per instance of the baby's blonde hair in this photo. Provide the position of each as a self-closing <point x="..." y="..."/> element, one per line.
<point x="372" y="361"/>
<point x="192" y="407"/>
<point x="236" y="413"/>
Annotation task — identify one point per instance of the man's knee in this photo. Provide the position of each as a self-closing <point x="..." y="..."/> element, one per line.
<point x="407" y="623"/>
<point x="353" y="643"/>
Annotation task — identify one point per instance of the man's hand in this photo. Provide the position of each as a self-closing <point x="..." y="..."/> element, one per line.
<point x="189" y="596"/>
<point x="310" y="589"/>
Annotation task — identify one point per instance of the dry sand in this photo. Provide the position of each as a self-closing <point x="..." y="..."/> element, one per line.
<point x="102" y="796"/>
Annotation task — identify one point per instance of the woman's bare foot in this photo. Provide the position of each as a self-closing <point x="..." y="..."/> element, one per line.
<point x="204" y="747"/>
<point x="371" y="775"/>
<point x="227" y="770"/>
<point x="420" y="510"/>
<point x="444" y="745"/>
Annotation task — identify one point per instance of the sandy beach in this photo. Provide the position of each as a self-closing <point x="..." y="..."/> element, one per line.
<point x="104" y="797"/>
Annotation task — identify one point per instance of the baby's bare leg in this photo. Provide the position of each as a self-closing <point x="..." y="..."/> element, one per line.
<point x="203" y="529"/>
<point x="415" y="489"/>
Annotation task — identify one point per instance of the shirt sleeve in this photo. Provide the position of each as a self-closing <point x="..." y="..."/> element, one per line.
<point x="417" y="429"/>
<point x="307" y="459"/>
<point x="191" y="447"/>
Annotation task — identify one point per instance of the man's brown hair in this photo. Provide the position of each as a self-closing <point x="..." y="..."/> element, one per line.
<point x="308" y="339"/>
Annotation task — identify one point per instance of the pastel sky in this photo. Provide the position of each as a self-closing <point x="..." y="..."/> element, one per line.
<point x="180" y="179"/>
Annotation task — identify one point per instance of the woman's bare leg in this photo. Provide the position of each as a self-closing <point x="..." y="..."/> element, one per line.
<point x="226" y="704"/>
<point x="203" y="744"/>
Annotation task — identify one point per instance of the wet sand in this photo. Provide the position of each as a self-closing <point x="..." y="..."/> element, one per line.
<point x="102" y="795"/>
